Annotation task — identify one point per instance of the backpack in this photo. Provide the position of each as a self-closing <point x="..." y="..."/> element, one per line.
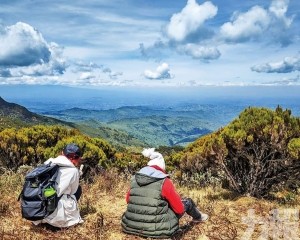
<point x="38" y="196"/>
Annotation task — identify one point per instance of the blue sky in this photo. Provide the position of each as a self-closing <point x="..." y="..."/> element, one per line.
<point x="145" y="43"/>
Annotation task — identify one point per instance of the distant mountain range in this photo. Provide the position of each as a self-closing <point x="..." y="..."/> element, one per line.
<point x="155" y="126"/>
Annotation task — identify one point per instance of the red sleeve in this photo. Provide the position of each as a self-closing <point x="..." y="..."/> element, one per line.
<point x="127" y="196"/>
<point x="170" y="194"/>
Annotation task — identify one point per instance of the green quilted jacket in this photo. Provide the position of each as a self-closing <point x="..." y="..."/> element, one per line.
<point x="148" y="214"/>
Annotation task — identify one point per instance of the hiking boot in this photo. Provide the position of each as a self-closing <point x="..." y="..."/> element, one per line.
<point x="203" y="218"/>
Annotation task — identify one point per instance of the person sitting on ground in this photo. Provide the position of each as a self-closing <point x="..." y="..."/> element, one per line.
<point x="154" y="207"/>
<point x="68" y="189"/>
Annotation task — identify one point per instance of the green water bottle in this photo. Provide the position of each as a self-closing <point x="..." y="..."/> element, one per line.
<point x="50" y="194"/>
<point x="50" y="191"/>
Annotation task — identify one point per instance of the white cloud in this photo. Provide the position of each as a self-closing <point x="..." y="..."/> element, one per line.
<point x="22" y="45"/>
<point x="245" y="26"/>
<point x="288" y="64"/>
<point x="161" y="72"/>
<point x="199" y="52"/>
<point x="24" y="51"/>
<point x="86" y="76"/>
<point x="258" y="23"/>
<point x="27" y="58"/>
<point x="189" y="34"/>
<point x="185" y="33"/>
<point x="189" y="19"/>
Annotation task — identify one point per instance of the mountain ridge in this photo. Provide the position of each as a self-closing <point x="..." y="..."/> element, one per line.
<point x="17" y="116"/>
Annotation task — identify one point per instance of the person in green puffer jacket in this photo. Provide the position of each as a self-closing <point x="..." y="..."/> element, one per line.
<point x="154" y="207"/>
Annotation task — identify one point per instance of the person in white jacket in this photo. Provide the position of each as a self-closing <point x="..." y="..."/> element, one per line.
<point x="68" y="189"/>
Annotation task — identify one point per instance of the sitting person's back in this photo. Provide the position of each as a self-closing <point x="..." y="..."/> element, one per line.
<point x="148" y="213"/>
<point x="67" y="187"/>
<point x="154" y="206"/>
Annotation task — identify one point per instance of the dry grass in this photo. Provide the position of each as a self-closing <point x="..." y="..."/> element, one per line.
<point x="102" y="205"/>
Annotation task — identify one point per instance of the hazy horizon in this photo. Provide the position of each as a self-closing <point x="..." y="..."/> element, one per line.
<point x="44" y="98"/>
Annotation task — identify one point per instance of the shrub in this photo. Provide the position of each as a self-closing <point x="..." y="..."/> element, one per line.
<point x="34" y="145"/>
<point x="257" y="151"/>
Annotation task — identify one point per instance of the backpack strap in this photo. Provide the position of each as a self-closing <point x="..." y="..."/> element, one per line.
<point x="53" y="178"/>
<point x="52" y="181"/>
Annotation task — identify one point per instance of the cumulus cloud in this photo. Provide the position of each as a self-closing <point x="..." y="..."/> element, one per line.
<point x="185" y="34"/>
<point x="247" y="25"/>
<point x="189" y="20"/>
<point x="27" y="58"/>
<point x="161" y="72"/>
<point x="24" y="51"/>
<point x="22" y="45"/>
<point x="200" y="52"/>
<point x="257" y="23"/>
<point x="288" y="64"/>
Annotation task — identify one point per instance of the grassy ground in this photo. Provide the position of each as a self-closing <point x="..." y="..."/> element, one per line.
<point x="102" y="205"/>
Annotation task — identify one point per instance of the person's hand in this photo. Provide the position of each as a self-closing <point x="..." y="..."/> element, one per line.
<point x="81" y="169"/>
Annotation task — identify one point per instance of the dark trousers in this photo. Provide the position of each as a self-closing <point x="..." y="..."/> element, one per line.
<point x="78" y="193"/>
<point x="190" y="208"/>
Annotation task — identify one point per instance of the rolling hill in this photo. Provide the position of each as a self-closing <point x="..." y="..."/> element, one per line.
<point x="155" y="126"/>
<point x="17" y="116"/>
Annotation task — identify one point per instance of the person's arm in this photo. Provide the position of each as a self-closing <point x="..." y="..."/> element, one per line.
<point x="67" y="178"/>
<point x="170" y="194"/>
<point x="127" y="196"/>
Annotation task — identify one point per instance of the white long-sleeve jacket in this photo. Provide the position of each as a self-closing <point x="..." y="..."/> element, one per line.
<point x="67" y="212"/>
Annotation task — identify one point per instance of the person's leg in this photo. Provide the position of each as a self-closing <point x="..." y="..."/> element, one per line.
<point x="191" y="209"/>
<point x="78" y="193"/>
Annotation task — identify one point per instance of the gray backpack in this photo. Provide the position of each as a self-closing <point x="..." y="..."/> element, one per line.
<point x="38" y="197"/>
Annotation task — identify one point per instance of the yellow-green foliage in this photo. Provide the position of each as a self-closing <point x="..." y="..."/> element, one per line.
<point x="294" y="148"/>
<point x="262" y="124"/>
<point x="35" y="144"/>
<point x="201" y="154"/>
<point x="129" y="161"/>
